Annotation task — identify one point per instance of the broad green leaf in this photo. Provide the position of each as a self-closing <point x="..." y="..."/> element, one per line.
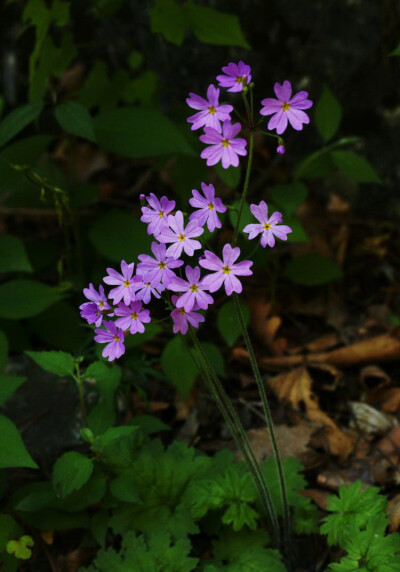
<point x="102" y="415"/>
<point x="230" y="176"/>
<point x="396" y="51"/>
<point x="101" y="90"/>
<point x="151" y="331"/>
<point x="123" y="488"/>
<point x="215" y="357"/>
<point x="60" y="363"/>
<point x="149" y="424"/>
<point x="71" y="472"/>
<point x="12" y="449"/>
<point x="139" y="132"/>
<point x="3" y="348"/>
<point x="316" y="165"/>
<point x="118" y="235"/>
<point x="214" y="27"/>
<point x="355" y="167"/>
<point x="33" y="497"/>
<point x="168" y="19"/>
<point x="142" y="90"/>
<point x="188" y="173"/>
<point x="8" y="385"/>
<point x="228" y="324"/>
<point x="298" y="233"/>
<point x="178" y="365"/>
<point x="47" y="327"/>
<point x="312" y="270"/>
<point x="99" y="526"/>
<point x="74" y="118"/>
<point x="13" y="257"/>
<point x="288" y="197"/>
<point x="51" y="519"/>
<point x="26" y="298"/>
<point x="17" y="120"/>
<point x="328" y="114"/>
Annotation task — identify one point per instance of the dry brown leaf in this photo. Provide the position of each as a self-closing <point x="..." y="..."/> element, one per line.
<point x="325" y="342"/>
<point x="373" y="377"/>
<point x="320" y="498"/>
<point x="47" y="536"/>
<point x="378" y="349"/>
<point x="370" y="420"/>
<point x="295" y="388"/>
<point x="390" y="399"/>
<point x="337" y="205"/>
<point x="393" y="512"/>
<point x="265" y="326"/>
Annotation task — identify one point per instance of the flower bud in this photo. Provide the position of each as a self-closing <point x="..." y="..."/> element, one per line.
<point x="281" y="150"/>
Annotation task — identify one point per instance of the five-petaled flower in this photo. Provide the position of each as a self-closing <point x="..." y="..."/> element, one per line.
<point x="224" y="146"/>
<point x="211" y="112"/>
<point x="180" y="236"/>
<point x="182" y="319"/>
<point x="208" y="206"/>
<point x="132" y="317"/>
<point x="193" y="289"/>
<point x="126" y="283"/>
<point x="268" y="227"/>
<point x="113" y="337"/>
<point x="92" y="311"/>
<point x="286" y="108"/>
<point x="235" y="77"/>
<point x="156" y="216"/>
<point x="225" y="270"/>
<point x="157" y="270"/>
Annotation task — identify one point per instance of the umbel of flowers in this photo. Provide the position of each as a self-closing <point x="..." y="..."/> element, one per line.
<point x="123" y="310"/>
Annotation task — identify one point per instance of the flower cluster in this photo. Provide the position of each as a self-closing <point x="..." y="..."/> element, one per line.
<point x="155" y="276"/>
<point x="220" y="133"/>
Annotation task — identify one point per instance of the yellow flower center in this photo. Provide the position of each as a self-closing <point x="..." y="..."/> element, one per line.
<point x="226" y="270"/>
<point x="101" y="304"/>
<point x="127" y="283"/>
<point x="181" y="237"/>
<point x="134" y="315"/>
<point x="211" y="110"/>
<point x="117" y="339"/>
<point x="241" y="79"/>
<point x="161" y="265"/>
<point x="225" y="142"/>
<point x="160" y="214"/>
<point x="194" y="288"/>
<point x="147" y="284"/>
<point x="285" y="106"/>
<point x="266" y="226"/>
<point x="210" y="206"/>
<point x="182" y="311"/>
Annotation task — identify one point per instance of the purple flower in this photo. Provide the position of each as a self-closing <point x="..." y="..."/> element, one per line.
<point x="133" y="317"/>
<point x="182" y="319"/>
<point x="211" y="112"/>
<point x="225" y="270"/>
<point x="92" y="311"/>
<point x="269" y="227"/>
<point x="208" y="207"/>
<point x="156" y="216"/>
<point x="158" y="270"/>
<point x="114" y="338"/>
<point x="181" y="237"/>
<point x="125" y="284"/>
<point x="236" y="76"/>
<point x="146" y="290"/>
<point x="281" y="150"/>
<point x="286" y="108"/>
<point x="193" y="290"/>
<point x="223" y="146"/>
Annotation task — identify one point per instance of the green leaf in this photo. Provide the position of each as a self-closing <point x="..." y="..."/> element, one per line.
<point x="74" y="118"/>
<point x="8" y="529"/>
<point x="102" y="415"/>
<point x="33" y="497"/>
<point x="123" y="488"/>
<point x="293" y="478"/>
<point x="139" y="133"/>
<point x="355" y="167"/>
<point x="99" y="526"/>
<point x="215" y="357"/>
<point x="316" y="165"/>
<point x="246" y="217"/>
<point x="46" y="326"/>
<point x="118" y="235"/>
<point x="149" y="424"/>
<point x="17" y="120"/>
<point x="289" y="197"/>
<point x="8" y="385"/>
<point x="230" y="176"/>
<point x="312" y="270"/>
<point x="13" y="257"/>
<point x="25" y="298"/>
<point x="3" y="349"/>
<point x="228" y="324"/>
<point x="328" y="114"/>
<point x="12" y="449"/>
<point x="21" y="548"/>
<point x="178" y="365"/>
<point x="214" y="27"/>
<point x="396" y="51"/>
<point x="71" y="472"/>
<point x="135" y="60"/>
<point x="51" y="519"/>
<point x="167" y="18"/>
<point x="60" y="363"/>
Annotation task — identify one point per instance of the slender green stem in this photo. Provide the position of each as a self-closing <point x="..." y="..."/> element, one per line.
<point x="245" y="187"/>
<point x="239" y="434"/>
<point x="270" y="425"/>
<point x="79" y="383"/>
<point x="248" y="110"/>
